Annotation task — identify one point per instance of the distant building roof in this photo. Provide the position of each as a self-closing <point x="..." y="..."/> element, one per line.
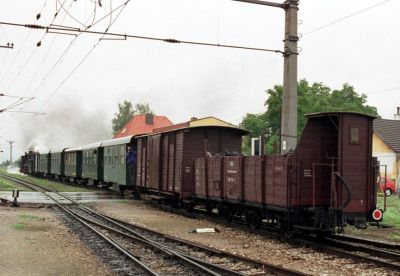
<point x="143" y="124"/>
<point x="389" y="132"/>
<point x="202" y="122"/>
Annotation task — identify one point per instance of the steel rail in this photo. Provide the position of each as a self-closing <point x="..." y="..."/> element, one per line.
<point x="120" y="248"/>
<point x="197" y="263"/>
<point x="267" y="267"/>
<point x="384" y="253"/>
<point x="345" y="253"/>
<point x="276" y="269"/>
<point x="375" y="243"/>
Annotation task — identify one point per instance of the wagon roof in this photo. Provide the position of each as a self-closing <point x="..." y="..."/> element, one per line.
<point x="197" y="123"/>
<point x="334" y="113"/>
<point x="91" y="146"/>
<point x="73" y="149"/>
<point x="117" y="141"/>
<point x="58" y="150"/>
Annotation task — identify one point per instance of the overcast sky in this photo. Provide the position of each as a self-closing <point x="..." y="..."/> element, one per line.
<point x="181" y="81"/>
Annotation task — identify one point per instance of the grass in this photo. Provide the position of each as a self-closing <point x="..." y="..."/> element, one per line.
<point x="123" y="201"/>
<point x="18" y="226"/>
<point x="52" y="185"/>
<point x="392" y="214"/>
<point x="30" y="217"/>
<point x="7" y="185"/>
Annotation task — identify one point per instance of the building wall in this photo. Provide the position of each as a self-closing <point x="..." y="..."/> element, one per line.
<point x="388" y="157"/>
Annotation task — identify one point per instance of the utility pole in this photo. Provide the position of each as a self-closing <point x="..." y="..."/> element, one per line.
<point x="289" y="101"/>
<point x="289" y="98"/>
<point x="11" y="143"/>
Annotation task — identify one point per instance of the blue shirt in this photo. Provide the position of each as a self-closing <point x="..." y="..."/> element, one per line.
<point x="131" y="157"/>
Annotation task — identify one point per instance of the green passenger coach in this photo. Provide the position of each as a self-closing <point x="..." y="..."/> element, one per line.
<point x="73" y="164"/>
<point x="116" y="172"/>
<point x="92" y="163"/>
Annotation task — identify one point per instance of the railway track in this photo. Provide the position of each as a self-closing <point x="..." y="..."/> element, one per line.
<point x="154" y="253"/>
<point x="381" y="254"/>
<point x="357" y="249"/>
<point x="386" y="255"/>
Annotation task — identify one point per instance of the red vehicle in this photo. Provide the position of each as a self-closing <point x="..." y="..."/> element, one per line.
<point x="390" y="187"/>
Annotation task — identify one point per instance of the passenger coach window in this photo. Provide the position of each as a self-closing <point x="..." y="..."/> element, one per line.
<point x="354" y="135"/>
<point x="122" y="155"/>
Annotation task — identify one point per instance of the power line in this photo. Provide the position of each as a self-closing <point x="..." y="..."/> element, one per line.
<point x="345" y="17"/>
<point x="67" y="49"/>
<point x="71" y="73"/>
<point x="23" y="43"/>
<point x="60" y="59"/>
<point x="72" y="30"/>
<point x="34" y="50"/>
<point x="84" y="58"/>
<point x="382" y="91"/>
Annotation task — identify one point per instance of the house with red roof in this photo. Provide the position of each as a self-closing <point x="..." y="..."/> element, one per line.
<point x="143" y="124"/>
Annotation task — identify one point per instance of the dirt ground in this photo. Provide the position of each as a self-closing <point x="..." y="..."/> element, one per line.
<point x="237" y="241"/>
<point x="34" y="242"/>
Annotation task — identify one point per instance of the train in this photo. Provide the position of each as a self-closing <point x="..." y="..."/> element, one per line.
<point x="327" y="182"/>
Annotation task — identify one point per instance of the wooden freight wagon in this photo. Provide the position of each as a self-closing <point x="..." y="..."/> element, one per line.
<point x="166" y="157"/>
<point x="335" y="166"/>
<point x="327" y="181"/>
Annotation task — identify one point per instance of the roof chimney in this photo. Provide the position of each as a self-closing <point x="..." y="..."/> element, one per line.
<point x="149" y="119"/>
<point x="397" y="116"/>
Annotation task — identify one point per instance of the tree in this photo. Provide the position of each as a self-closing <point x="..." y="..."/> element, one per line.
<point x="311" y="98"/>
<point x="126" y="111"/>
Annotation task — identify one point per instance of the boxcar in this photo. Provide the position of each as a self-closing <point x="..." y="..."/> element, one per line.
<point x="328" y="181"/>
<point x="165" y="159"/>
<point x="116" y="172"/>
<point x="336" y="168"/>
<point x="92" y="163"/>
<point x="73" y="164"/>
<point x="57" y="164"/>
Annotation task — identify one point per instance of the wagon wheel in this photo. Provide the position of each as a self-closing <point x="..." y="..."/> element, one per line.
<point x="228" y="215"/>
<point x="135" y="192"/>
<point x="253" y="220"/>
<point x="287" y="231"/>
<point x="189" y="207"/>
<point x="209" y="208"/>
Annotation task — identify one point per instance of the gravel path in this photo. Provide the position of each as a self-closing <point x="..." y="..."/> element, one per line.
<point x="35" y="242"/>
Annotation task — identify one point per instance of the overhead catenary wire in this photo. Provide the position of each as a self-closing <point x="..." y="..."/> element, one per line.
<point x="345" y="18"/>
<point x="82" y="60"/>
<point x="44" y="80"/>
<point x="34" y="50"/>
<point x="66" y="50"/>
<point x="150" y="38"/>
<point x="70" y="74"/>
<point x="23" y="43"/>
<point x="383" y="91"/>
